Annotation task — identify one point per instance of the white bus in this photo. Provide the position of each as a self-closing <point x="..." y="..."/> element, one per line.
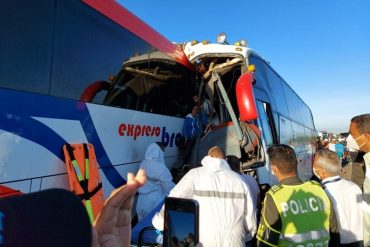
<point x="255" y="106"/>
<point x="53" y="91"/>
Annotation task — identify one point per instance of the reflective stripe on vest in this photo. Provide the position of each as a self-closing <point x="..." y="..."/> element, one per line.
<point x="219" y="194"/>
<point x="304" y="212"/>
<point x="305" y="236"/>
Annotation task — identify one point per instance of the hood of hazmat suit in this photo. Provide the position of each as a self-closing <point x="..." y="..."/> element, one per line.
<point x="159" y="181"/>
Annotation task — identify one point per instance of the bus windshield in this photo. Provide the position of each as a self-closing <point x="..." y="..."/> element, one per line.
<point x="156" y="85"/>
<point x="229" y="68"/>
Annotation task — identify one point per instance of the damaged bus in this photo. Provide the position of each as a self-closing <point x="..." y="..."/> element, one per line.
<point x="254" y="107"/>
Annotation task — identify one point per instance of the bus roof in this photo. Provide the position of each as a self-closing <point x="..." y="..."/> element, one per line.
<point x="132" y="23"/>
<point x="193" y="51"/>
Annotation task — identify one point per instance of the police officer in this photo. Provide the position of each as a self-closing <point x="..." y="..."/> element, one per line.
<point x="295" y="213"/>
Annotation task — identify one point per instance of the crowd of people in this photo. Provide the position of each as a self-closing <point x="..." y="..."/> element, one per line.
<point x="332" y="212"/>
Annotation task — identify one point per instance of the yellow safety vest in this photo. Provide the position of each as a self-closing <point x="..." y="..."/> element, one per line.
<point x="304" y="212"/>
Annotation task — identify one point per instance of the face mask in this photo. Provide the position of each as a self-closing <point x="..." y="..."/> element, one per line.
<point x="352" y="144"/>
<point x="362" y="144"/>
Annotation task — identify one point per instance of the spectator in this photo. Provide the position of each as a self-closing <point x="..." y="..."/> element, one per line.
<point x="352" y="147"/>
<point x="356" y="161"/>
<point x="226" y="210"/>
<point x="320" y="144"/>
<point x="360" y="131"/>
<point x="345" y="196"/>
<point x="159" y="181"/>
<point x="57" y="217"/>
<point x="331" y="145"/>
<point x="339" y="149"/>
<point x="205" y="107"/>
<point x="287" y="220"/>
<point x="253" y="186"/>
<point x="194" y="124"/>
<point x="174" y="242"/>
<point x="190" y="240"/>
<point x="51" y="217"/>
<point x="234" y="163"/>
<point x="112" y="227"/>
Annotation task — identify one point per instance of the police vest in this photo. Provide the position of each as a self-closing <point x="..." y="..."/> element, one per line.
<point x="304" y="212"/>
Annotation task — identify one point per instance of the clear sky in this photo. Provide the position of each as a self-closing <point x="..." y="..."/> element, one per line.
<point x="320" y="47"/>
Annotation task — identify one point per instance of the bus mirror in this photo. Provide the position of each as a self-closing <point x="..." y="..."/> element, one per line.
<point x="244" y="95"/>
<point x="90" y="92"/>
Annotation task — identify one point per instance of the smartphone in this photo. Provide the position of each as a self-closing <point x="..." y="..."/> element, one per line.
<point x="181" y="222"/>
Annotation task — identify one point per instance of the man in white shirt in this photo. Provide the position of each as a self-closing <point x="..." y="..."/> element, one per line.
<point x="331" y="145"/>
<point x="227" y="215"/>
<point x="360" y="131"/>
<point x="346" y="197"/>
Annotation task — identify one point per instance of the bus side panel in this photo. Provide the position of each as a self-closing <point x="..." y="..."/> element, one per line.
<point x="26" y="43"/>
<point x="294" y="118"/>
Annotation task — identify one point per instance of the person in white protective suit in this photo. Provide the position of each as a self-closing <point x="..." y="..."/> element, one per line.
<point x="227" y="214"/>
<point x="159" y="180"/>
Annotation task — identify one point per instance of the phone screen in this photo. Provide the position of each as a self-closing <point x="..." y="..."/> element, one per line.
<point x="181" y="223"/>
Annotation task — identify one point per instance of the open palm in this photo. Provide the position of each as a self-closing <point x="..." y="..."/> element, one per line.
<point x="112" y="227"/>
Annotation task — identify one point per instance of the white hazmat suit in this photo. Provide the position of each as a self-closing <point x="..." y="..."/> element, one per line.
<point x="226" y="208"/>
<point x="159" y="181"/>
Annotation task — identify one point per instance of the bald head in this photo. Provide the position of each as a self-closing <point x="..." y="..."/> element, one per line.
<point x="216" y="152"/>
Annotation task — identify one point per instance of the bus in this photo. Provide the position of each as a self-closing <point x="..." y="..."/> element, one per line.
<point x="84" y="71"/>
<point x="254" y="105"/>
<point x="89" y="71"/>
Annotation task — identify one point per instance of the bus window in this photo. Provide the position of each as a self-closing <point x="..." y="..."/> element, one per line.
<point x="266" y="126"/>
<point x="153" y="83"/>
<point x="25" y="62"/>
<point x="286" y="136"/>
<point x="83" y="57"/>
<point x="268" y="78"/>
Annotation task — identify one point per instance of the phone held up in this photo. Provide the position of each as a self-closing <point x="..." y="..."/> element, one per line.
<point x="181" y="222"/>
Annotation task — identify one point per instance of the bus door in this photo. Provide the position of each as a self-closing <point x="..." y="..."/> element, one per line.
<point x="266" y="126"/>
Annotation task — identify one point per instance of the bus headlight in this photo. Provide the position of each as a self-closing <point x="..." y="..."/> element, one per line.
<point x="221" y="38"/>
<point x="243" y="43"/>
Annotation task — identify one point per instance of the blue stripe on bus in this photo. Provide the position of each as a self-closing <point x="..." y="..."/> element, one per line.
<point x="18" y="108"/>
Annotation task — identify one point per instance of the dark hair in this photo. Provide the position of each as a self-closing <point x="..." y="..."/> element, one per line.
<point x="191" y="236"/>
<point x="175" y="240"/>
<point x="161" y="145"/>
<point x="284" y="157"/>
<point x="362" y="123"/>
<point x="234" y="163"/>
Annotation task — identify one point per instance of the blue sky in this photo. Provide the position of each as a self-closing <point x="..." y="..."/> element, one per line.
<point x="320" y="47"/>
